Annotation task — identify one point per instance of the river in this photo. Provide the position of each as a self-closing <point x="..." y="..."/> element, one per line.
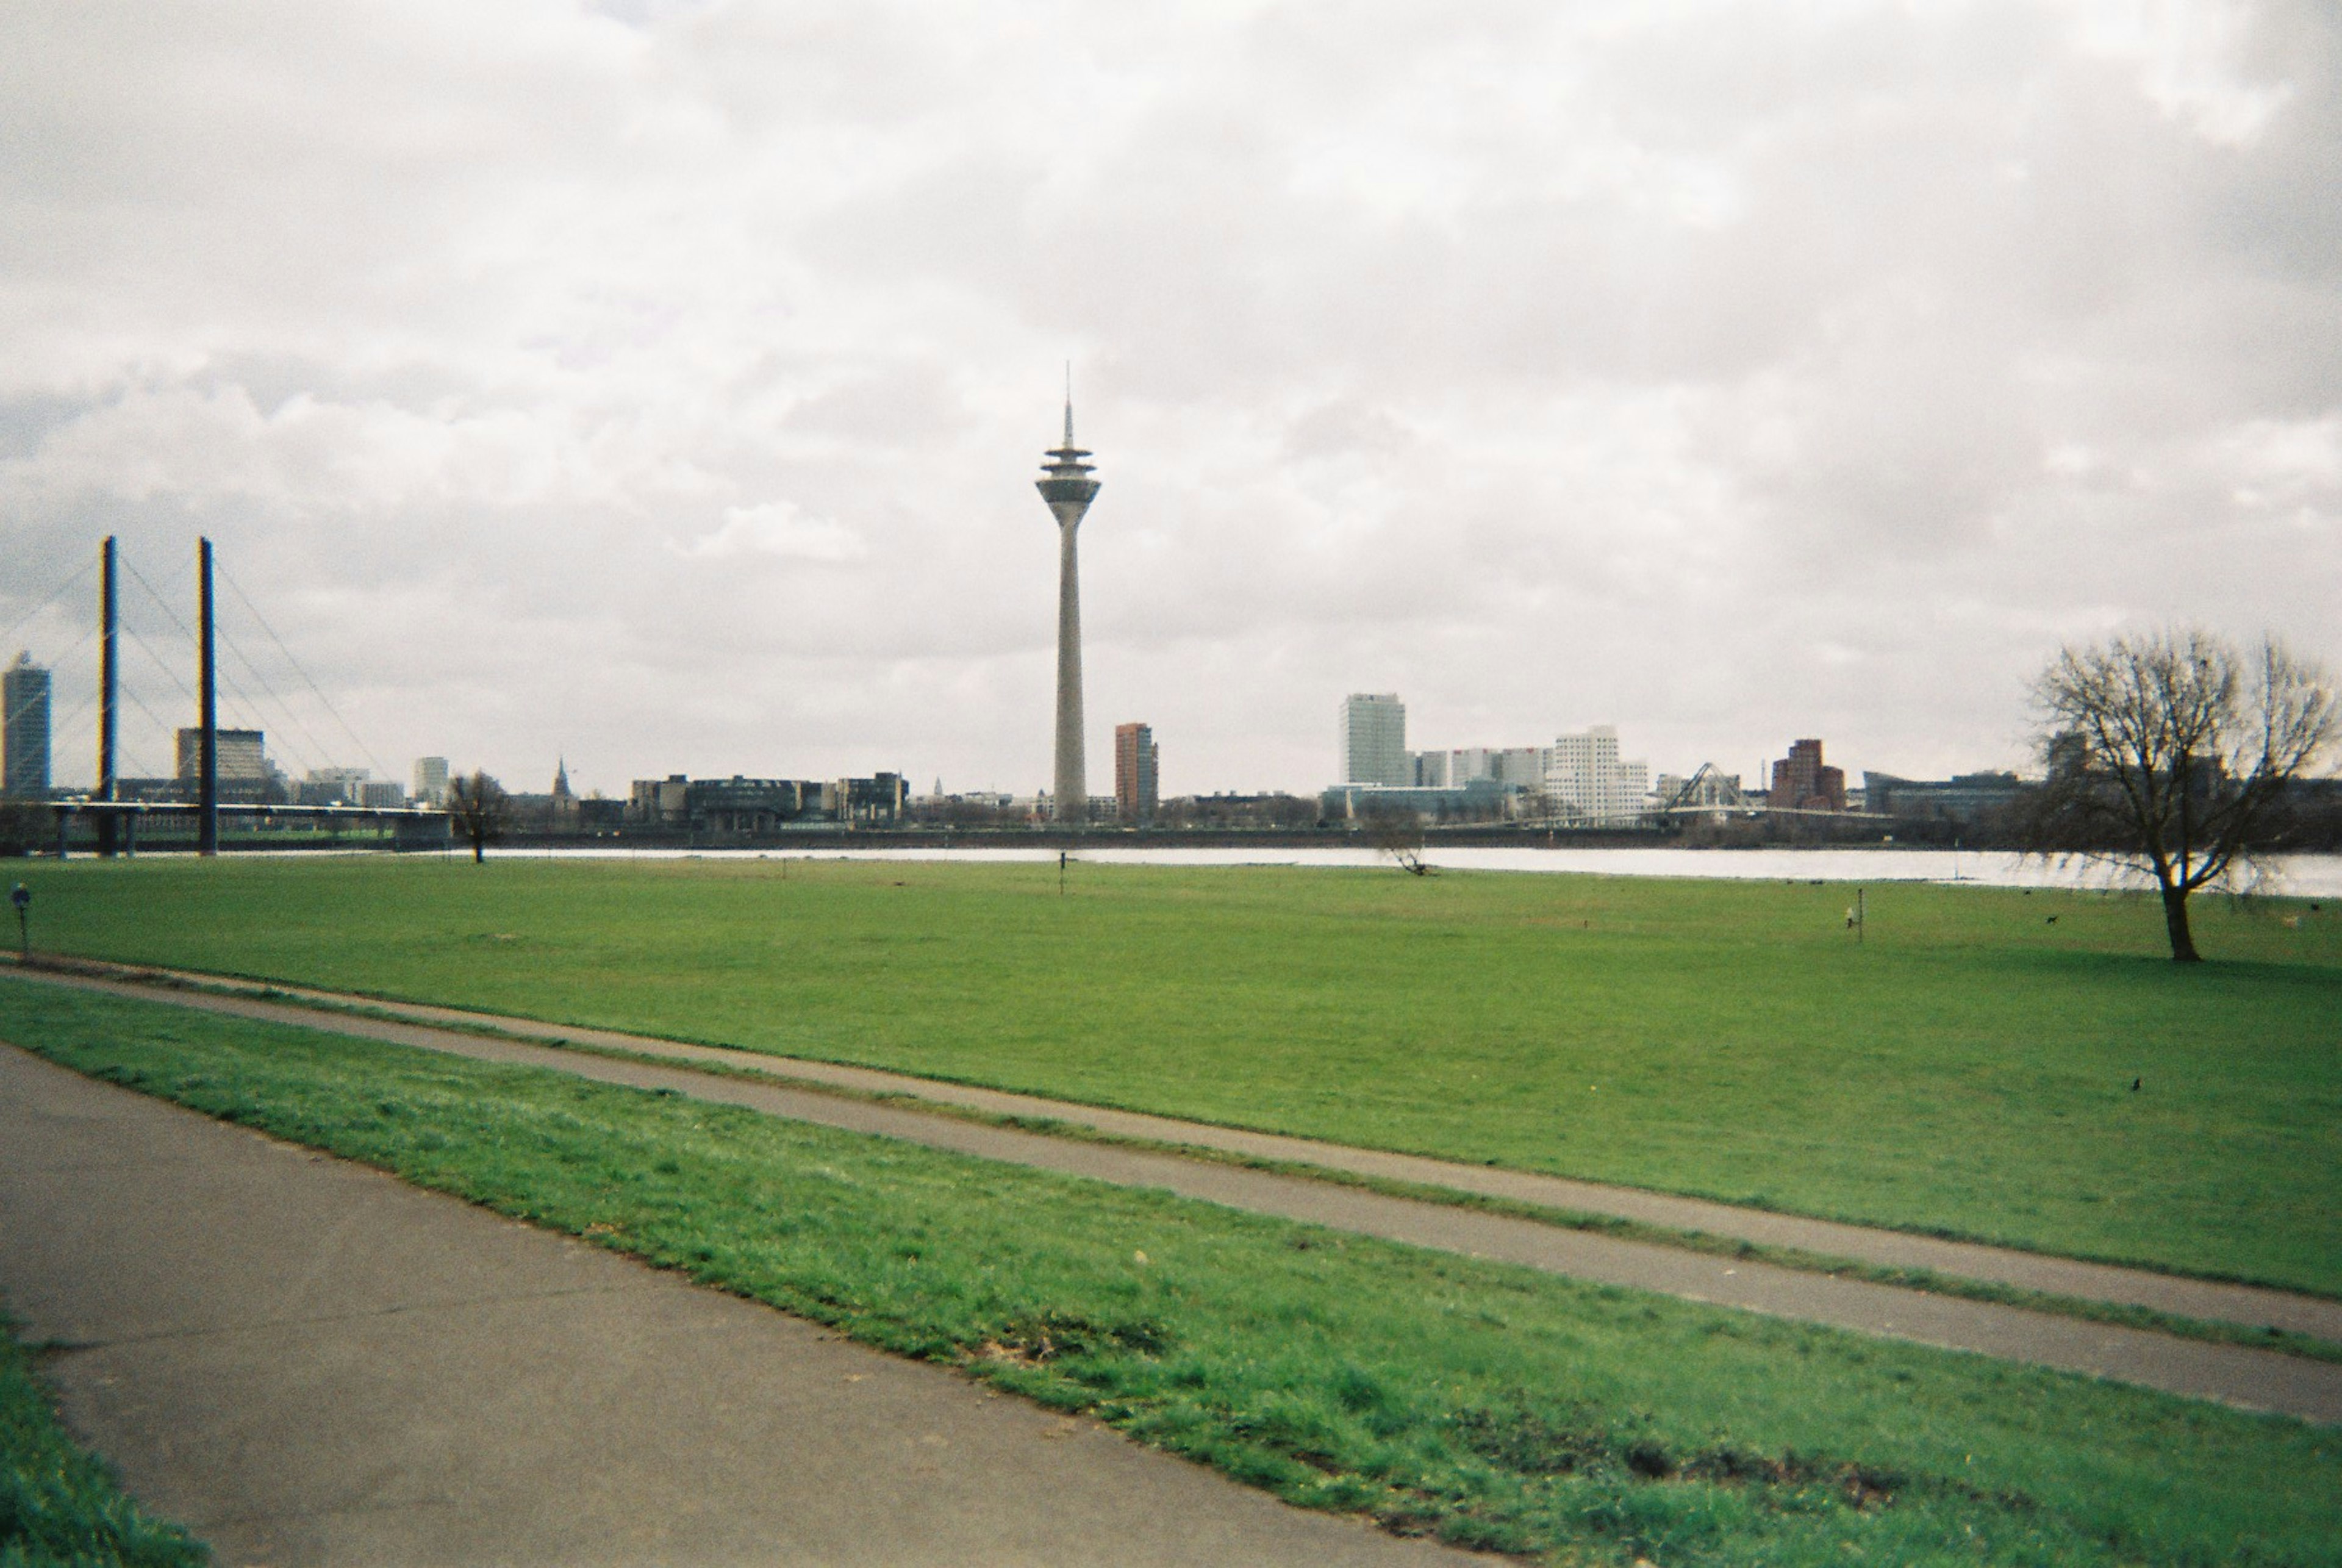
<point x="2301" y="876"/>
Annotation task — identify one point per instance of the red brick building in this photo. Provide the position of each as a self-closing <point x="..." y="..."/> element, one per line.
<point x="1803" y="782"/>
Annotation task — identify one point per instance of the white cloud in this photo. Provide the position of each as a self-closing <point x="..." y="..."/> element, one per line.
<point x="776" y="528"/>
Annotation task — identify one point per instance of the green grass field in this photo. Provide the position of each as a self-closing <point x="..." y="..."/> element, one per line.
<point x="1489" y="1404"/>
<point x="1966" y="1069"/>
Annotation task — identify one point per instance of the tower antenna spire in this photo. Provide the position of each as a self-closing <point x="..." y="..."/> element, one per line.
<point x="1069" y="403"/>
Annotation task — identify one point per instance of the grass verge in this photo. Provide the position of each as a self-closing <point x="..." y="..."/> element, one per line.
<point x="59" y="1506"/>
<point x="1490" y="1405"/>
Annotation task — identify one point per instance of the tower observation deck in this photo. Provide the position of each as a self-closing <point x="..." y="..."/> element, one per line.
<point x="1068" y="489"/>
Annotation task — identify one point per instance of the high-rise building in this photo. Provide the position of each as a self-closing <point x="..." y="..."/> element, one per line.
<point x="1068" y="490"/>
<point x="1466" y="763"/>
<point x="1584" y="778"/>
<point x="1373" y="741"/>
<point x="1803" y="782"/>
<point x="1135" y="774"/>
<point x="25" y="730"/>
<point x="430" y="780"/>
<point x="241" y="757"/>
<point x="324" y="786"/>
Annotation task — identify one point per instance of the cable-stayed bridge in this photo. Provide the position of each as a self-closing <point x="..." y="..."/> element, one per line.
<point x="217" y="772"/>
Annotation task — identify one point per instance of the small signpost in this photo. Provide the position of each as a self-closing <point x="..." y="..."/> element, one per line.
<point x="23" y="899"/>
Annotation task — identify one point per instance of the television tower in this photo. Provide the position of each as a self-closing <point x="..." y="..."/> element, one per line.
<point x="1068" y="489"/>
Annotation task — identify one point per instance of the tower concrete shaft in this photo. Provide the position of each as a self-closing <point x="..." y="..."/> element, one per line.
<point x="1068" y="491"/>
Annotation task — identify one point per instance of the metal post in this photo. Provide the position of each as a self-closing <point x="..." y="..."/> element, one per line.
<point x="64" y="833"/>
<point x="107" y="826"/>
<point x="207" y="697"/>
<point x="1861" y="918"/>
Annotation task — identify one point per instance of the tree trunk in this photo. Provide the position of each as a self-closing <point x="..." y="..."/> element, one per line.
<point x="2175" y="919"/>
<point x="480" y="854"/>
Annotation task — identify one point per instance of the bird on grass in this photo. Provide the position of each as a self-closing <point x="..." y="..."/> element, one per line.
<point x="2135" y="1084"/>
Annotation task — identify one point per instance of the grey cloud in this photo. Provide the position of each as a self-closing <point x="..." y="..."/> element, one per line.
<point x="1724" y="372"/>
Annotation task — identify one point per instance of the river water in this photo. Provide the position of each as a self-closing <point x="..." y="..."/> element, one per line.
<point x="2302" y="875"/>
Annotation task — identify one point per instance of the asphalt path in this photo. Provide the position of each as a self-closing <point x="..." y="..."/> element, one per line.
<point x="307" y="1362"/>
<point x="2250" y="1378"/>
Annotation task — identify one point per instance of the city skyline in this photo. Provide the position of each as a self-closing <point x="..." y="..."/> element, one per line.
<point x="659" y="392"/>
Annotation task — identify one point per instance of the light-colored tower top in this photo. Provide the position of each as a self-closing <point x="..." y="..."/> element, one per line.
<point x="1068" y="490"/>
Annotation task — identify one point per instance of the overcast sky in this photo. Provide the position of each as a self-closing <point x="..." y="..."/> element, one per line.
<point x="663" y="385"/>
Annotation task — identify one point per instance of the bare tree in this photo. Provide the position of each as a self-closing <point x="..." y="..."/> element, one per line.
<point x="1398" y="834"/>
<point x="2165" y="751"/>
<point x="478" y="808"/>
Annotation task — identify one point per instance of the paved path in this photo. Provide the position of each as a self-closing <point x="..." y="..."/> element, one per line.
<point x="2255" y="1379"/>
<point x="308" y="1363"/>
<point x="2251" y="1305"/>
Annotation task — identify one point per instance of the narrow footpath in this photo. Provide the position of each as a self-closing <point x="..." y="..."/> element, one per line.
<point x="308" y="1363"/>
<point x="2254" y="1379"/>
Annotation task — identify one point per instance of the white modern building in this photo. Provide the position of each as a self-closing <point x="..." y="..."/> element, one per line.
<point x="430" y="780"/>
<point x="1585" y="779"/>
<point x="1373" y="741"/>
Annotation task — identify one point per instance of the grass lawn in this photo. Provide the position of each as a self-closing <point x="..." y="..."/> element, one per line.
<point x="1490" y="1404"/>
<point x="1966" y="1069"/>
<point x="58" y="1506"/>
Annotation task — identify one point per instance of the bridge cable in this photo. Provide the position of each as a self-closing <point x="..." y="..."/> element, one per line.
<point x="308" y="760"/>
<point x="302" y="670"/>
<point x="56" y="594"/>
<point x="323" y="756"/>
<point x="251" y="708"/>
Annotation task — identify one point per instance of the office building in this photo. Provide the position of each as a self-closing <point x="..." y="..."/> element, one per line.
<point x="240" y="758"/>
<point x="1475" y="800"/>
<point x="430" y="781"/>
<point x="666" y="803"/>
<point x="1803" y="782"/>
<point x="1373" y="741"/>
<point x="748" y="807"/>
<point x="324" y="786"/>
<point x="1134" y="775"/>
<point x="25" y="730"/>
<point x="1962" y="798"/>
